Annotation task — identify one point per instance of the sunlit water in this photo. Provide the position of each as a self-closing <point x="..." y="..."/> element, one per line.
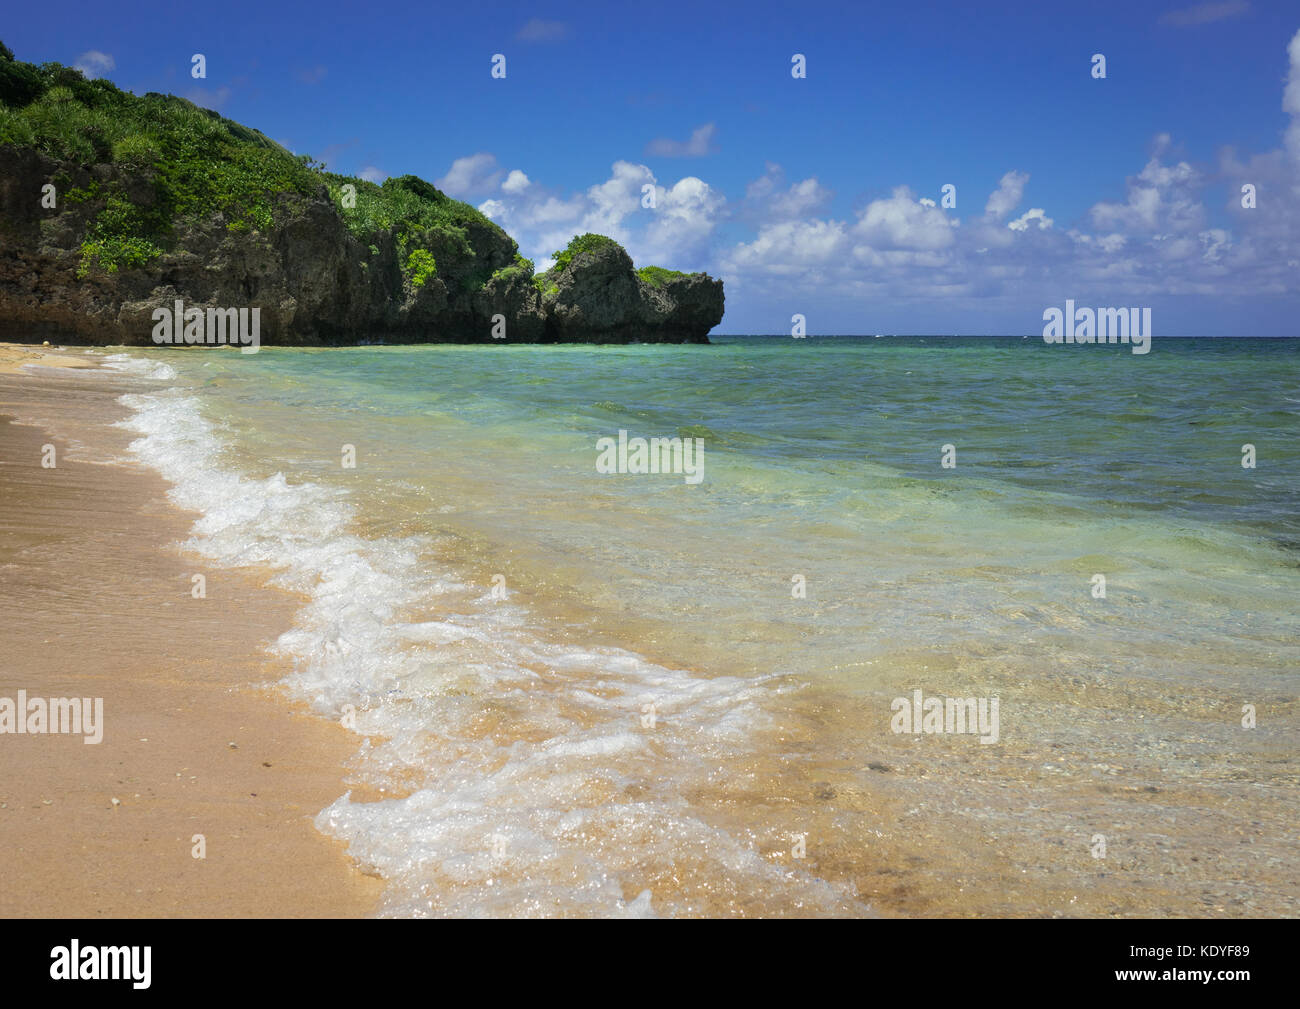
<point x="600" y="694"/>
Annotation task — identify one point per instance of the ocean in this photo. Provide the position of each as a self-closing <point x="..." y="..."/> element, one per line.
<point x="587" y="693"/>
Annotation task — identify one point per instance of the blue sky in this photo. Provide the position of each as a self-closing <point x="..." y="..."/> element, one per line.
<point x="810" y="195"/>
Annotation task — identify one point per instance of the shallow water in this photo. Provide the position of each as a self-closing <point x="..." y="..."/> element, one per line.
<point x="653" y="720"/>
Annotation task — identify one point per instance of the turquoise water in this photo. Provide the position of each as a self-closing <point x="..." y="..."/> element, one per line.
<point x="475" y="467"/>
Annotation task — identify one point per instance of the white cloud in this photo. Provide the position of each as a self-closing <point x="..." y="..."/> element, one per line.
<point x="372" y="174"/>
<point x="1214" y="242"/>
<point x="700" y="144"/>
<point x="1004" y="199"/>
<point x="1021" y="223"/>
<point x="791" y="247"/>
<point x="614" y="199"/>
<point x="682" y="222"/>
<point x="516" y="182"/>
<point x="1160" y="196"/>
<point x="769" y="199"/>
<point x="469" y="176"/>
<point x="93" y="63"/>
<point x="1156" y="240"/>
<point x="676" y="232"/>
<point x="1291" y="99"/>
<point x="900" y="222"/>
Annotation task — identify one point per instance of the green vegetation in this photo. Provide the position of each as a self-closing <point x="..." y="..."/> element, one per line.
<point x="545" y="283"/>
<point x="656" y="275"/>
<point x="406" y="206"/>
<point x="419" y="216"/>
<point x="199" y="165"/>
<point x="521" y="267"/>
<point x="421" y="267"/>
<point x="136" y="151"/>
<point x="179" y="168"/>
<point x="582" y="243"/>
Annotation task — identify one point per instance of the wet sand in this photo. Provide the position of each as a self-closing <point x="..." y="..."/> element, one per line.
<point x="95" y="601"/>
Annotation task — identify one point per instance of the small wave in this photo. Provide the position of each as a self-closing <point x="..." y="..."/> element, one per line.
<point x="530" y="777"/>
<point x="141" y="367"/>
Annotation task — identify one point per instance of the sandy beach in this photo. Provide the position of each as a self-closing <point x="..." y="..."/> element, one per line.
<point x="95" y="601"/>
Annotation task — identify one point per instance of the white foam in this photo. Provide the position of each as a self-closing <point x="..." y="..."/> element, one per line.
<point x="141" y="367"/>
<point x="538" y="789"/>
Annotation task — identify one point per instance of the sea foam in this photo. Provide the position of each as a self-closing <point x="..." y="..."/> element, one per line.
<point x="525" y="780"/>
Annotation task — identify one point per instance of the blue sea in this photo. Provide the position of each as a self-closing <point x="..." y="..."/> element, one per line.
<point x="586" y="693"/>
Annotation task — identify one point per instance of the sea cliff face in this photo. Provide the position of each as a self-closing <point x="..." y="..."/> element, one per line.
<point x="114" y="206"/>
<point x="598" y="297"/>
<point x="314" y="280"/>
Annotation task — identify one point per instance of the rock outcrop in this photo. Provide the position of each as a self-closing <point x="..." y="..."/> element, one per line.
<point x="314" y="280"/>
<point x="598" y="297"/>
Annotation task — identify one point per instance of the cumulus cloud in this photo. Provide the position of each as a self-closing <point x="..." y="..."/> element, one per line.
<point x="516" y="182"/>
<point x="1159" y="239"/>
<point x="901" y="222"/>
<point x="682" y="221"/>
<point x="791" y="247"/>
<point x="700" y="145"/>
<point x="1036" y="214"/>
<point x="615" y="198"/>
<point x="1004" y="199"/>
<point x="1291" y="99"/>
<point x="470" y="176"/>
<point x="768" y="197"/>
<point x="1160" y="198"/>
<point x="372" y="174"/>
<point x="93" y="64"/>
<point x="676" y="231"/>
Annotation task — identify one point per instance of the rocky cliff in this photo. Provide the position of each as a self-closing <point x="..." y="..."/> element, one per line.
<point x="112" y="206"/>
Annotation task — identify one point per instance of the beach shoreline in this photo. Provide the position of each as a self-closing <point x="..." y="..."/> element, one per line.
<point x="197" y="757"/>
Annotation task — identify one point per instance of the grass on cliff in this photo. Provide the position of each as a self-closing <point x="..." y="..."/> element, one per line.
<point x="656" y="276"/>
<point x="581" y="243"/>
<point x="421" y="217"/>
<point x="199" y="164"/>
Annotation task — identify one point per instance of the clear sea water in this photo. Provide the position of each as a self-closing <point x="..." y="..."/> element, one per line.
<point x="654" y="720"/>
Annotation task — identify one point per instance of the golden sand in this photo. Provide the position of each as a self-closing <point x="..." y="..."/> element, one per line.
<point x="95" y="601"/>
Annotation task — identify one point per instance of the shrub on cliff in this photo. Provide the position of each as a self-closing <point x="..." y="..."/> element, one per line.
<point x="201" y="164"/>
<point x="419" y="215"/>
<point x="20" y="83"/>
<point x="136" y="151"/>
<point x="521" y="267"/>
<point x="198" y="163"/>
<point x="581" y="243"/>
<point x="421" y="266"/>
<point x="655" y="276"/>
